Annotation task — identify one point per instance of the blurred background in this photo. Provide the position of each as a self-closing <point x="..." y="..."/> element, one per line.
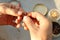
<point x="11" y="33"/>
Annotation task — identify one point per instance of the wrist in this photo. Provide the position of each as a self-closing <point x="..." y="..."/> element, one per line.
<point x="36" y="38"/>
<point x="42" y="38"/>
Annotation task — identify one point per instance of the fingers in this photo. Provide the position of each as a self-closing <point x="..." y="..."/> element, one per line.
<point x="37" y="15"/>
<point x="25" y="27"/>
<point x="29" y="23"/>
<point x="15" y="25"/>
<point x="2" y="9"/>
<point x="42" y="20"/>
<point x="9" y="5"/>
<point x="9" y="11"/>
<point x="11" y="21"/>
<point x="18" y="20"/>
<point x="18" y="25"/>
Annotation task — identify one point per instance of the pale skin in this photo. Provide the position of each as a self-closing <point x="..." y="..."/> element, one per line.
<point x="41" y="31"/>
<point x="9" y="16"/>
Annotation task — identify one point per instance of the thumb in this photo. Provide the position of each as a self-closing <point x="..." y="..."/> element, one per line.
<point x="9" y="11"/>
<point x="12" y="12"/>
<point x="29" y="23"/>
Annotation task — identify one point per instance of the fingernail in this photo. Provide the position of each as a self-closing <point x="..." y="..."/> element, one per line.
<point x="19" y="17"/>
<point x="19" y="12"/>
<point x="25" y="17"/>
<point x="18" y="26"/>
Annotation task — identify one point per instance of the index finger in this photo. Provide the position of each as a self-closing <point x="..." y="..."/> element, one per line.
<point x="9" y="11"/>
<point x="38" y="16"/>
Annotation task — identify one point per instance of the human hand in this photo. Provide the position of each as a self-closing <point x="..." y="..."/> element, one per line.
<point x="41" y="31"/>
<point x="10" y="13"/>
